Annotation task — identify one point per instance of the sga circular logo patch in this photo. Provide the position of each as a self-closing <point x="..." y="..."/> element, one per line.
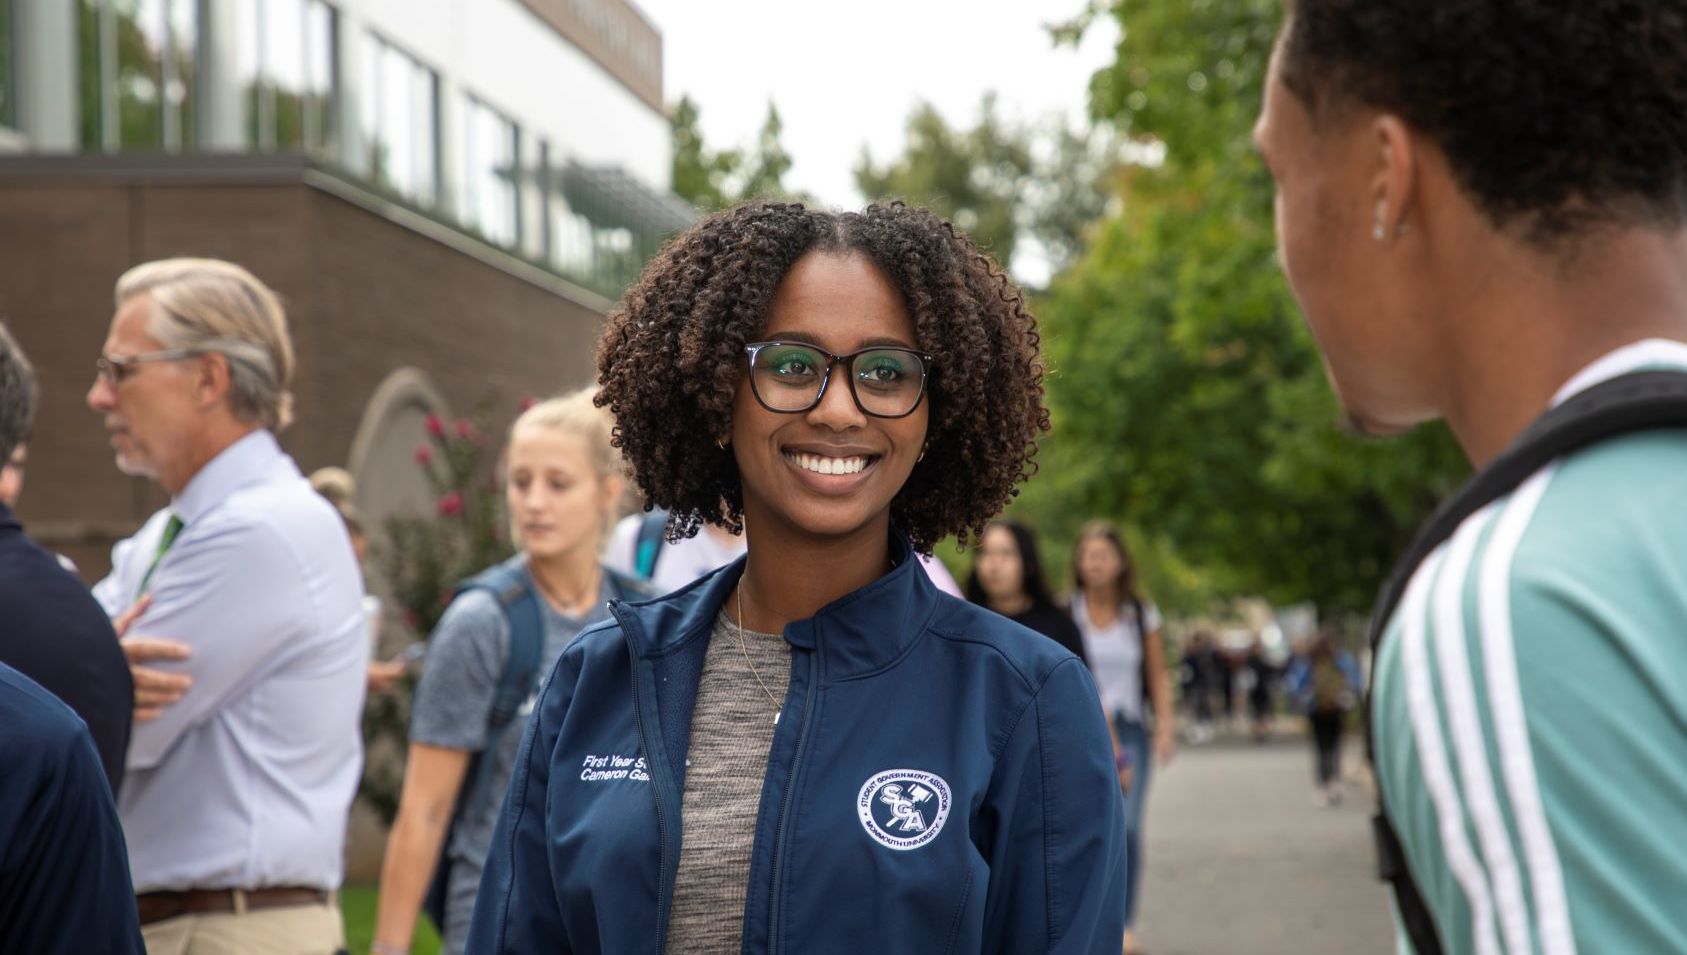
<point x="903" y="808"/>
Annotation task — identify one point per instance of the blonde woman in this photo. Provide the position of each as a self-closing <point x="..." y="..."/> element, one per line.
<point x="484" y="660"/>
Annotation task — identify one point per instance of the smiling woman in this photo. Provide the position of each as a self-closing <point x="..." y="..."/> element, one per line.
<point x="825" y="733"/>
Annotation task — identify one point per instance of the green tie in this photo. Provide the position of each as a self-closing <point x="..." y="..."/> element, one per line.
<point x="171" y="529"/>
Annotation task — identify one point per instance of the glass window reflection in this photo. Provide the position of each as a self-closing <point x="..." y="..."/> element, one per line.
<point x="490" y="195"/>
<point x="138" y="73"/>
<point x="287" y="58"/>
<point x="400" y="99"/>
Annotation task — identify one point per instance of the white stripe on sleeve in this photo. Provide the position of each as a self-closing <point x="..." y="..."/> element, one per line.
<point x="1459" y="693"/>
<point x="1432" y="757"/>
<point x="1517" y="763"/>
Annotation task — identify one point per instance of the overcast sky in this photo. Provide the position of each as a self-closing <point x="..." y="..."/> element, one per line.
<point x="844" y="74"/>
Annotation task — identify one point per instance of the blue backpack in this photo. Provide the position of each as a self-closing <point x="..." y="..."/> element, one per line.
<point x="512" y="587"/>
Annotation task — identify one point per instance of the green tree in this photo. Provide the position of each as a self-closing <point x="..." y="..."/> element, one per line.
<point x="714" y="180"/>
<point x="700" y="174"/>
<point x="1188" y="399"/>
<point x="976" y="178"/>
<point x="762" y="175"/>
<point x="1071" y="188"/>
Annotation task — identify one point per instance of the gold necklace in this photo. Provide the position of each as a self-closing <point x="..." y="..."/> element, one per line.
<point x="745" y="646"/>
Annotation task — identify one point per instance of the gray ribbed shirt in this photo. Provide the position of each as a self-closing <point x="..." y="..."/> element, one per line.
<point x="731" y="733"/>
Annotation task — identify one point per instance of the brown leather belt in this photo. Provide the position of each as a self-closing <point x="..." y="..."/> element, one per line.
<point x="158" y="906"/>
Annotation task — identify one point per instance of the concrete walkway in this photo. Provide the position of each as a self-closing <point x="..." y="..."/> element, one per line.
<point x="1240" y="860"/>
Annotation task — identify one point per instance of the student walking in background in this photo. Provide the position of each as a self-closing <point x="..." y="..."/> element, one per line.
<point x="1007" y="576"/>
<point x="1325" y="683"/>
<point x="1125" y="652"/>
<point x="486" y="658"/>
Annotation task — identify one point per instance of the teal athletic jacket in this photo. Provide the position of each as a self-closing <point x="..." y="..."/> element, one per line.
<point x="940" y="780"/>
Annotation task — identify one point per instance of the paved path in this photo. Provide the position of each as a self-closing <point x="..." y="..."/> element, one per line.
<point x="1240" y="860"/>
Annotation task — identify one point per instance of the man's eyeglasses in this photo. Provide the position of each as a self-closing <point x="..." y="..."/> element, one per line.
<point x="791" y="377"/>
<point x="115" y="369"/>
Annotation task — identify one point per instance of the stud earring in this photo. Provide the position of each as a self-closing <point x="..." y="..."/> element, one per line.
<point x="1377" y="232"/>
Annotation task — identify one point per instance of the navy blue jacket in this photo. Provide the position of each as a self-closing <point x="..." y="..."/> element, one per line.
<point x="940" y="780"/>
<point x="54" y="632"/>
<point x="64" y="870"/>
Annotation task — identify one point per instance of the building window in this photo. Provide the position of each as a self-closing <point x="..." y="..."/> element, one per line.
<point x="544" y="221"/>
<point x="138" y="68"/>
<point x="8" y="59"/>
<point x="491" y="173"/>
<point x="400" y="118"/>
<point x="288" y="69"/>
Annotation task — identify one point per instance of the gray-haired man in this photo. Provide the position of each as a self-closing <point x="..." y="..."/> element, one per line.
<point x="246" y="751"/>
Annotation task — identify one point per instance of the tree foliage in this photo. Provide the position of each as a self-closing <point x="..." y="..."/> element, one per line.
<point x="1188" y="398"/>
<point x="1008" y="185"/>
<point x="976" y="178"/>
<point x="714" y="179"/>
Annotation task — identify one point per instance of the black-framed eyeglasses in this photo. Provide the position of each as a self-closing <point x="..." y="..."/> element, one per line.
<point x="791" y="377"/>
<point x="115" y="369"/>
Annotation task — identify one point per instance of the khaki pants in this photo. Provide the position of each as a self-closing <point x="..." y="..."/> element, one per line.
<point x="293" y="930"/>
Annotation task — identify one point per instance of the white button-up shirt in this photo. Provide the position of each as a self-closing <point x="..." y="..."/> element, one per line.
<point x="246" y="782"/>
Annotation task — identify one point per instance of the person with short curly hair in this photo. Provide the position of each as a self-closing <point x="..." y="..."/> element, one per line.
<point x="1482" y="209"/>
<point x="813" y="749"/>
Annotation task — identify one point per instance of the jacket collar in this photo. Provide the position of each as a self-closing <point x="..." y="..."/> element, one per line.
<point x="854" y="635"/>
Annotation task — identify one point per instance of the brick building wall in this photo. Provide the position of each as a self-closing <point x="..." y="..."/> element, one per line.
<point x="370" y="288"/>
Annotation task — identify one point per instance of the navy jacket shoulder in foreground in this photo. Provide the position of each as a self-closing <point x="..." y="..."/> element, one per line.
<point x="64" y="870"/>
<point x="53" y="631"/>
<point x="940" y="780"/>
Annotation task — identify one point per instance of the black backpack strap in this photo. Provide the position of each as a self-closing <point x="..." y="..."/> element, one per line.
<point x="1634" y="402"/>
<point x="1144" y="674"/>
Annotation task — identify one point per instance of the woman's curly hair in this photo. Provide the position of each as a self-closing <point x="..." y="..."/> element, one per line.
<point x="672" y="359"/>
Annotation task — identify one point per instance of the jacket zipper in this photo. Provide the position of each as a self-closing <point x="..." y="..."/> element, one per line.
<point x="779" y="831"/>
<point x="662" y="888"/>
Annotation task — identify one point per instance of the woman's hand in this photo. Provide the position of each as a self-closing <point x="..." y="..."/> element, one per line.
<point x="1165" y="743"/>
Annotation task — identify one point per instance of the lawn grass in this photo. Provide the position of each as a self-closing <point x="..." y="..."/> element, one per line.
<point x="357" y="902"/>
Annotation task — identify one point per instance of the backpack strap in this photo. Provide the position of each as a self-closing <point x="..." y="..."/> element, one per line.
<point x="647" y="546"/>
<point x="512" y="587"/>
<point x="1635" y="402"/>
<point x="1144" y="674"/>
<point x="510" y="584"/>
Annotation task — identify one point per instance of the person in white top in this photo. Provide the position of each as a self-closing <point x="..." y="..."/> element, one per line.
<point x="1125" y="653"/>
<point x="245" y="602"/>
<point x="669" y="565"/>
